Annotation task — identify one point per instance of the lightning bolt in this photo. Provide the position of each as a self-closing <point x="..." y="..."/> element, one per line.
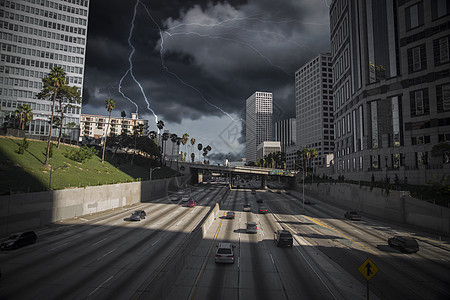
<point x="130" y="69"/>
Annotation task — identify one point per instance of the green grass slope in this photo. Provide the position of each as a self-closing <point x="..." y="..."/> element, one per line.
<point x="26" y="173"/>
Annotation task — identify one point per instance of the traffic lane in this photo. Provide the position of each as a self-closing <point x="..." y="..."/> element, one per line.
<point x="327" y="235"/>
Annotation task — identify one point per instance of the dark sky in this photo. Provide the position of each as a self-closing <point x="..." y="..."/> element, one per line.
<point x="198" y="61"/>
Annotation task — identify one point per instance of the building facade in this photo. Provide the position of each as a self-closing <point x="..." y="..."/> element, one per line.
<point x="95" y="127"/>
<point x="285" y="133"/>
<point x="35" y="36"/>
<point x="391" y="72"/>
<point x="258" y="122"/>
<point x="314" y="107"/>
<point x="267" y="147"/>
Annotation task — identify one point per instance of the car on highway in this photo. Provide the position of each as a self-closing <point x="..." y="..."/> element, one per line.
<point x="259" y="200"/>
<point x="283" y="238"/>
<point x="263" y="210"/>
<point x="18" y="240"/>
<point x="229" y="215"/>
<point x="405" y="244"/>
<point x="141" y="213"/>
<point x="352" y="215"/>
<point x="252" y="227"/>
<point x="247" y="207"/>
<point x="191" y="203"/>
<point x="185" y="198"/>
<point x="174" y="197"/>
<point x="135" y="216"/>
<point x="225" y="253"/>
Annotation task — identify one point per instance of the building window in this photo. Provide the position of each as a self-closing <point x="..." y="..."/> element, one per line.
<point x="443" y="97"/>
<point x="417" y="58"/>
<point x="414" y="16"/>
<point x="421" y="158"/>
<point x="375" y="161"/>
<point x="419" y="103"/>
<point x="439" y="8"/>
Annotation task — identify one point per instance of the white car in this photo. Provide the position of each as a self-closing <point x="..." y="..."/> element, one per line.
<point x="225" y="253"/>
<point x="247" y="207"/>
<point x="252" y="227"/>
<point x="185" y="199"/>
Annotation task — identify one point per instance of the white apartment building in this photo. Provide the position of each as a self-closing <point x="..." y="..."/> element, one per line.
<point x="94" y="127"/>
<point x="267" y="147"/>
<point x="36" y="35"/>
<point x="314" y="107"/>
<point x="258" y="122"/>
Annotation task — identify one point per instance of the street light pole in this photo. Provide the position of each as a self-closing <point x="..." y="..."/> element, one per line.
<point x="151" y="171"/>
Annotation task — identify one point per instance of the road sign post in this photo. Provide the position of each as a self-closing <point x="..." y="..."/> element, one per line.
<point x="368" y="269"/>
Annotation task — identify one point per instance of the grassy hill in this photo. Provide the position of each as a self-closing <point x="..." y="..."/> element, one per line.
<point x="26" y="173"/>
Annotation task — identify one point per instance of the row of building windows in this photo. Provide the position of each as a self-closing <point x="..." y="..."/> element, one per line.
<point x="38" y="64"/>
<point x="20" y="82"/>
<point x="66" y="8"/>
<point x="42" y="54"/>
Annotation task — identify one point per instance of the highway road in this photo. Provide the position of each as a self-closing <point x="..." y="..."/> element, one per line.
<point x="105" y="256"/>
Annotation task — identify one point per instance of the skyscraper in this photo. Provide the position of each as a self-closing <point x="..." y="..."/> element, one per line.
<point x="314" y="107"/>
<point x="285" y="133"/>
<point x="35" y="36"/>
<point x="391" y="89"/>
<point x="258" y="122"/>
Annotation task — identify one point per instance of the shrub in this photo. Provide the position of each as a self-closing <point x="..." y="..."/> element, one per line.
<point x="23" y="146"/>
<point x="82" y="154"/>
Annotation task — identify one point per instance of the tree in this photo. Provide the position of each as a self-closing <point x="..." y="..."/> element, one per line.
<point x="199" y="147"/>
<point x="51" y="85"/>
<point x="192" y="156"/>
<point x="67" y="97"/>
<point x="138" y="130"/>
<point x="193" y="143"/>
<point x="314" y="153"/>
<point x="165" y="136"/>
<point x="306" y="153"/>
<point x="110" y="105"/>
<point x="25" y="114"/>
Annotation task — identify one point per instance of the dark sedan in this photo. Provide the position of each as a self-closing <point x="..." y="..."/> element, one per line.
<point x="18" y="240"/>
<point x="405" y="244"/>
<point x="352" y="215"/>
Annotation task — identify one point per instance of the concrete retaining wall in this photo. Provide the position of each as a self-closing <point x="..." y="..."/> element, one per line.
<point x="20" y="212"/>
<point x="397" y="206"/>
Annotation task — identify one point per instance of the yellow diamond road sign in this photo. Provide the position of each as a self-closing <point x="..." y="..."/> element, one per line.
<point x="368" y="269"/>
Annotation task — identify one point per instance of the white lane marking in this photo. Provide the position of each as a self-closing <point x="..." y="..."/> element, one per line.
<point x="155" y="242"/>
<point x="101" y="285"/>
<point x="99" y="242"/>
<point x="271" y="257"/>
<point x="106" y="254"/>
<point x="57" y="247"/>
<point x="83" y="219"/>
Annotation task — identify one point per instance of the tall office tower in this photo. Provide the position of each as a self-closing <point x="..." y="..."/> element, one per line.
<point x="391" y="88"/>
<point x="35" y="36"/>
<point x="258" y="122"/>
<point x="314" y="107"/>
<point x="285" y="133"/>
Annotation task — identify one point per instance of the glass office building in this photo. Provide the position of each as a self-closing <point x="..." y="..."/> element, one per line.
<point x="36" y="35"/>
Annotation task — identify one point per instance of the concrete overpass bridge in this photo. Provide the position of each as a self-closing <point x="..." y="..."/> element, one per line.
<point x="199" y="171"/>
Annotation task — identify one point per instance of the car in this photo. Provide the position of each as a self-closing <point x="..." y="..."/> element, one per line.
<point x="135" y="217"/>
<point x="259" y="200"/>
<point x="263" y="210"/>
<point x="247" y="207"/>
<point x="18" y="240"/>
<point x="230" y="215"/>
<point x="191" y="203"/>
<point x="253" y="191"/>
<point x="174" y="197"/>
<point x="252" y="227"/>
<point x="141" y="213"/>
<point x="185" y="199"/>
<point x="283" y="238"/>
<point x="225" y="253"/>
<point x="406" y="244"/>
<point x="352" y="215"/>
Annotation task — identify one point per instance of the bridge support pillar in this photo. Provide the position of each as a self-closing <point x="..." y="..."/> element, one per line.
<point x="263" y="182"/>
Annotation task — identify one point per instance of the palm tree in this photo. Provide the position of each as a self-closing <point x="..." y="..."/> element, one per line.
<point x="67" y="97"/>
<point x="110" y="104"/>
<point x="165" y="136"/>
<point x="192" y="156"/>
<point x="314" y="153"/>
<point x="51" y="84"/>
<point x="192" y="143"/>
<point x="25" y="114"/>
<point x="199" y="147"/>
<point x="160" y="125"/>
<point x="306" y="153"/>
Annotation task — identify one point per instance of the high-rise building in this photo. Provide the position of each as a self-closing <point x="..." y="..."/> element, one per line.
<point x="314" y="107"/>
<point x="391" y="72"/>
<point x="285" y="133"/>
<point x="35" y="36"/>
<point x="258" y="122"/>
